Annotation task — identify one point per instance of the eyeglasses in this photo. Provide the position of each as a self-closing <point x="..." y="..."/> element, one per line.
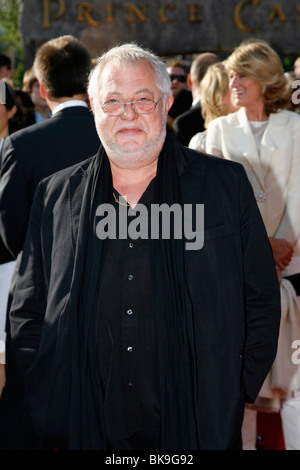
<point x="142" y="106"/>
<point x="180" y="78"/>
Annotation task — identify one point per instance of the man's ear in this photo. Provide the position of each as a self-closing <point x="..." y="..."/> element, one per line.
<point x="92" y="104"/>
<point x="169" y="102"/>
<point x="12" y="112"/>
<point x="42" y="91"/>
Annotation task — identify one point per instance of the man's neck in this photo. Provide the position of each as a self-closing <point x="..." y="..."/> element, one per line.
<point x="132" y="183"/>
<point x="43" y="111"/>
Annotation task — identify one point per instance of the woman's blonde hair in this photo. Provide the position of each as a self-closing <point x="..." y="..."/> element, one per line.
<point x="256" y="59"/>
<point x="214" y="86"/>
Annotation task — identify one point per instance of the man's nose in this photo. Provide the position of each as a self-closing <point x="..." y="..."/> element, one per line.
<point x="129" y="112"/>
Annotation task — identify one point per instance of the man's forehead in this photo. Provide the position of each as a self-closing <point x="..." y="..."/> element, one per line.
<point x="127" y="68"/>
<point x="115" y="76"/>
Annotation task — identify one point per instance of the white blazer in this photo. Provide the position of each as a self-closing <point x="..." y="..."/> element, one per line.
<point x="274" y="174"/>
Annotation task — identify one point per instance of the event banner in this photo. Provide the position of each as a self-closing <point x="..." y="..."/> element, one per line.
<point x="168" y="27"/>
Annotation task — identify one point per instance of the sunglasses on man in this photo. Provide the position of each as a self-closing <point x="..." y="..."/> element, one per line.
<point x="180" y="78"/>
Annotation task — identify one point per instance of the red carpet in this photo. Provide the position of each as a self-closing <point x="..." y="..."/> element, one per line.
<point x="269" y="431"/>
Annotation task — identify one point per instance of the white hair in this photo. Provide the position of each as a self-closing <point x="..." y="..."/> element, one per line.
<point x="129" y="54"/>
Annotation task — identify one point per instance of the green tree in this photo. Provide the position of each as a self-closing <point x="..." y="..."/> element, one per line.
<point x="10" y="40"/>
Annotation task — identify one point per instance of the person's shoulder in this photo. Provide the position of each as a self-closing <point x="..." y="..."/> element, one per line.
<point x="198" y="141"/>
<point x="191" y="112"/>
<point x="230" y="119"/>
<point x="29" y="131"/>
<point x="283" y="120"/>
<point x="18" y="145"/>
<point x="287" y="115"/>
<point x="47" y="126"/>
<point x="56" y="181"/>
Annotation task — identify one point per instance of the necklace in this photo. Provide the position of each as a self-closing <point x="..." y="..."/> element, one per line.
<point x="119" y="202"/>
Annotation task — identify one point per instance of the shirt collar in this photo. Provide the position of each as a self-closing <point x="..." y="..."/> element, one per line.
<point x="196" y="100"/>
<point x="69" y="104"/>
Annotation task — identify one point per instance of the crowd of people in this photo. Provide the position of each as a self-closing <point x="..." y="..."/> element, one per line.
<point x="134" y="342"/>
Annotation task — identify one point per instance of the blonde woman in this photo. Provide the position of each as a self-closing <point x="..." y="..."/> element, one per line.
<point x="215" y="100"/>
<point x="264" y="136"/>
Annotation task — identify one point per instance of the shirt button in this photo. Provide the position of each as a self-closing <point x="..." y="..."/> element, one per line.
<point x="130" y="384"/>
<point x="130" y="277"/>
<point x="131" y="245"/>
<point x="129" y="349"/>
<point x="129" y="311"/>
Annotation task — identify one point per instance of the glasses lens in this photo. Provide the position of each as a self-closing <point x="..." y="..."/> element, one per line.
<point x="113" y="108"/>
<point x="180" y="78"/>
<point x="140" y="107"/>
<point x="144" y="107"/>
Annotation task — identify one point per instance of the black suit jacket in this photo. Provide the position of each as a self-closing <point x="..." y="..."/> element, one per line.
<point x="34" y="153"/>
<point x="188" y="124"/>
<point x="28" y="156"/>
<point x="231" y="280"/>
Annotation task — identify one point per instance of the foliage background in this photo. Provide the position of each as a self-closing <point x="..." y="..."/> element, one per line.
<point x="10" y="40"/>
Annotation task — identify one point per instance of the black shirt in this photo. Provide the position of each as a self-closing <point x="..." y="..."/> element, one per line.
<point x="128" y="357"/>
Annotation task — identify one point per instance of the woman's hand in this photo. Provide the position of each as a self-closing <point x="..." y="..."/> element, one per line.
<point x="282" y="251"/>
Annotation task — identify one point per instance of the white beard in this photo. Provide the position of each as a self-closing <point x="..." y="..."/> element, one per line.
<point x="131" y="157"/>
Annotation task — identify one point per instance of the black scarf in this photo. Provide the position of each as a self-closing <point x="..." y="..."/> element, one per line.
<point x="179" y="420"/>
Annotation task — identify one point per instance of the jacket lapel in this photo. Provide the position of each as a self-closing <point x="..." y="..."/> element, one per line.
<point x="249" y="149"/>
<point x="76" y="189"/>
<point x="192" y="182"/>
<point x="276" y="133"/>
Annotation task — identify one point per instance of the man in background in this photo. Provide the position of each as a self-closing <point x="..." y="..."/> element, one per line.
<point x="187" y="124"/>
<point x="32" y="87"/>
<point x="62" y="66"/>
<point x="178" y="73"/>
